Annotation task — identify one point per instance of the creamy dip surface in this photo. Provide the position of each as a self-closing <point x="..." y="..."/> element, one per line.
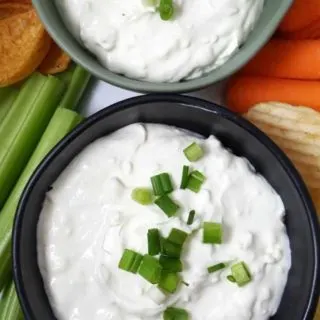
<point x="129" y="37"/>
<point x="89" y="218"/>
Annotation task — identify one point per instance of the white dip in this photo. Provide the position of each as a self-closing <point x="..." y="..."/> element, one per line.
<point x="130" y="38"/>
<point x="89" y="218"/>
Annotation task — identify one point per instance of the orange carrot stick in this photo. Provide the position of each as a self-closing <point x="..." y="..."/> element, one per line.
<point x="300" y="15"/>
<point x="291" y="59"/>
<point x="243" y="92"/>
<point x="312" y="31"/>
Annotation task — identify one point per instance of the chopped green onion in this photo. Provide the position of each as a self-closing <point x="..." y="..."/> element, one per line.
<point x="193" y="152"/>
<point x="171" y="264"/>
<point x="241" y="274"/>
<point x="136" y="263"/>
<point x="162" y="241"/>
<point x="150" y="269"/>
<point x="161" y="184"/>
<point x="127" y="259"/>
<point x="166" y="204"/>
<point x="130" y="261"/>
<point x="175" y="314"/>
<point x="153" y="242"/>
<point x="142" y="195"/>
<point x="217" y="267"/>
<point x="171" y="249"/>
<point x="231" y="278"/>
<point x="185" y="177"/>
<point x="166" y="9"/>
<point x="212" y="232"/>
<point x="192" y="213"/>
<point x="169" y="281"/>
<point x="177" y="236"/>
<point x="196" y="179"/>
<point x="149" y="3"/>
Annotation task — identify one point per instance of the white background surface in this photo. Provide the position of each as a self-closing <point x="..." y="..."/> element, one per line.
<point x="100" y="94"/>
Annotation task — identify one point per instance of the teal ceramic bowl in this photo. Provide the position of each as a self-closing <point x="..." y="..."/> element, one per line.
<point x="273" y="12"/>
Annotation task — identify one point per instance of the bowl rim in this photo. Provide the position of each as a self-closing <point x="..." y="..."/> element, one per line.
<point x="61" y="38"/>
<point x="191" y="102"/>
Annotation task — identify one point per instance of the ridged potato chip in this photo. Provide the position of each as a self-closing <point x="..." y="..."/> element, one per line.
<point x="56" y="61"/>
<point x="297" y="131"/>
<point x="23" y="45"/>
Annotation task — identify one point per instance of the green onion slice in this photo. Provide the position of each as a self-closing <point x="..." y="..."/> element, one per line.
<point x="171" y="264"/>
<point x="212" y="233"/>
<point x="136" y="263"/>
<point x="177" y="236"/>
<point x="241" y="273"/>
<point x="166" y="9"/>
<point x="150" y="269"/>
<point x="130" y="261"/>
<point x="162" y="242"/>
<point x="217" y="267"/>
<point x="142" y="195"/>
<point x="185" y="177"/>
<point x="169" y="281"/>
<point x="149" y="3"/>
<point x="175" y="314"/>
<point x="171" y="249"/>
<point x="167" y="205"/>
<point x="231" y="278"/>
<point x="193" y="152"/>
<point x="161" y="184"/>
<point x="154" y="242"/>
<point x="192" y="213"/>
<point x="196" y="179"/>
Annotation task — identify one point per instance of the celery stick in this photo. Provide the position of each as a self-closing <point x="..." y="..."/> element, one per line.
<point x="4" y="292"/>
<point x="5" y="266"/>
<point x="66" y="76"/>
<point x="10" y="309"/>
<point x="78" y="84"/>
<point x="62" y="122"/>
<point x="26" y="133"/>
<point x="7" y="97"/>
<point x="19" y="111"/>
<point x="1" y="299"/>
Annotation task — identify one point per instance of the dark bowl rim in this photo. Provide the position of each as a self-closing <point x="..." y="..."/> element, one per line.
<point x="191" y="102"/>
<point x="127" y="83"/>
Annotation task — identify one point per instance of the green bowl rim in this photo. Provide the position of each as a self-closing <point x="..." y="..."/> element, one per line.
<point x="61" y="34"/>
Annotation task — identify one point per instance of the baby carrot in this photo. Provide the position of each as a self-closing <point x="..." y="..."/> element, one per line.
<point x="292" y="59"/>
<point x="312" y="31"/>
<point x="300" y="15"/>
<point x="243" y="92"/>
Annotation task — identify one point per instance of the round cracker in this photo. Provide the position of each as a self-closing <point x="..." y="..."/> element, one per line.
<point x="8" y="9"/>
<point x="29" y="2"/>
<point x="56" y="61"/>
<point x="23" y="45"/>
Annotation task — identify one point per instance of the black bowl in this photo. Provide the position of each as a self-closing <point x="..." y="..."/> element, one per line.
<point x="302" y="289"/>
